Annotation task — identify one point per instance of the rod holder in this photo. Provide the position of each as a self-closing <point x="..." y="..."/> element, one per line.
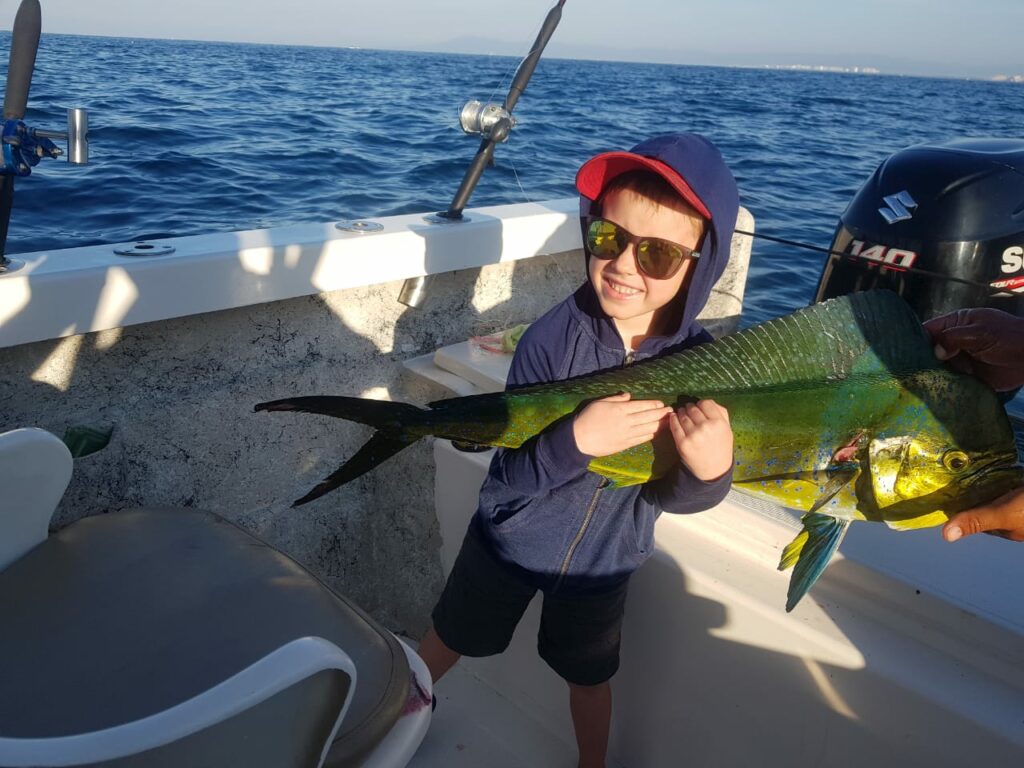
<point x="414" y="292"/>
<point x="77" y="135"/>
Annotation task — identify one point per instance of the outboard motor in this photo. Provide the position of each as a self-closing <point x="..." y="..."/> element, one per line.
<point x="941" y="224"/>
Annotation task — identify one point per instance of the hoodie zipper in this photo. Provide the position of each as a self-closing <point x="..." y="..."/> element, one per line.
<point x="627" y="359"/>
<point x="579" y="534"/>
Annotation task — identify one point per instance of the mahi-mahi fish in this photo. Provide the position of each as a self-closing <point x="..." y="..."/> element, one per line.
<point x="839" y="410"/>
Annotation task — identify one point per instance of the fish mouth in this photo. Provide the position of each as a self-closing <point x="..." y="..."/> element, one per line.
<point x="998" y="464"/>
<point x="1004" y="471"/>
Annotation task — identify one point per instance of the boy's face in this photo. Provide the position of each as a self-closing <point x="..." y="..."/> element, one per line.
<point x="631" y="298"/>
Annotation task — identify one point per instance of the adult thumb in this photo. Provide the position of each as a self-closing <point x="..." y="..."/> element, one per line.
<point x="970" y="522"/>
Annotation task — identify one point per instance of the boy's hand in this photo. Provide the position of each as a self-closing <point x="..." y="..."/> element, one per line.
<point x="615" y="423"/>
<point x="703" y="438"/>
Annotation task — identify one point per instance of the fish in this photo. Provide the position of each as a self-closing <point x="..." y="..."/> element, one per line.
<point x="839" y="410"/>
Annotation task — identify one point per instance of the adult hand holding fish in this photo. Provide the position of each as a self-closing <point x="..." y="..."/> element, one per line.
<point x="1003" y="517"/>
<point x="984" y="342"/>
<point x="988" y="343"/>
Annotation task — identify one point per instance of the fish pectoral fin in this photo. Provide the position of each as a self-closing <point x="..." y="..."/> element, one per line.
<point x="922" y="521"/>
<point x="836" y="483"/>
<point x="621" y="470"/>
<point x="616" y="478"/>
<point x="468" y="447"/>
<point x="810" y="552"/>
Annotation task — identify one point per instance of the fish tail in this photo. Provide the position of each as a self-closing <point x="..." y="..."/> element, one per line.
<point x="810" y="552"/>
<point x="382" y="414"/>
<point x="398" y="426"/>
<point x="379" y="448"/>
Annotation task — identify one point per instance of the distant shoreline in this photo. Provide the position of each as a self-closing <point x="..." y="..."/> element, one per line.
<point x="553" y="54"/>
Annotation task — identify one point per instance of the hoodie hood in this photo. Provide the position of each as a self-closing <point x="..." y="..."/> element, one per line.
<point x="694" y="167"/>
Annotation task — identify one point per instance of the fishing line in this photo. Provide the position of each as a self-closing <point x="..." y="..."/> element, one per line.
<point x="502" y="87"/>
<point x="992" y="291"/>
<point x="507" y="78"/>
<point x="526" y="197"/>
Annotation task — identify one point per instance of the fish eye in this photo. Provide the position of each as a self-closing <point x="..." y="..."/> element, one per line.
<point x="955" y="461"/>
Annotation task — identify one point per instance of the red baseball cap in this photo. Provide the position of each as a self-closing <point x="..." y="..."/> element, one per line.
<point x="660" y="155"/>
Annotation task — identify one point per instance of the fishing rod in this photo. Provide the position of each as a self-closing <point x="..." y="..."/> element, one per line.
<point x="853" y="257"/>
<point x="23" y="146"/>
<point x="494" y="122"/>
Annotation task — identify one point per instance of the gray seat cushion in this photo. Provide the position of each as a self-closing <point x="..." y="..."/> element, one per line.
<point x="120" y="616"/>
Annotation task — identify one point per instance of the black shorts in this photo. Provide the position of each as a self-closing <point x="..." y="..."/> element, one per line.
<point x="484" y="599"/>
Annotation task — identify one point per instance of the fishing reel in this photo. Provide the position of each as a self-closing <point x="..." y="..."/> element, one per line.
<point x="492" y="121"/>
<point x="24" y="147"/>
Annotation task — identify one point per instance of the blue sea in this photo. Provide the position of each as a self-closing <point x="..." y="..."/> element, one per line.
<point x="196" y="137"/>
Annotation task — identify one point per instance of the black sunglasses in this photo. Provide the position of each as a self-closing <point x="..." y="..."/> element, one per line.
<point x="655" y="257"/>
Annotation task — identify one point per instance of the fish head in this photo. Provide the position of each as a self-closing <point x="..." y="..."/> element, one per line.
<point x="938" y="473"/>
<point x="953" y="454"/>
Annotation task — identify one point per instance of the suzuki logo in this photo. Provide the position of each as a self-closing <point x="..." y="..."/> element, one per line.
<point x="898" y="207"/>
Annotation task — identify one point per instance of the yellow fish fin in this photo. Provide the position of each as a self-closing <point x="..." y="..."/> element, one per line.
<point x="616" y="477"/>
<point x="792" y="551"/>
<point x="810" y="551"/>
<point x="836" y="483"/>
<point x="922" y="521"/>
<point x="618" y="473"/>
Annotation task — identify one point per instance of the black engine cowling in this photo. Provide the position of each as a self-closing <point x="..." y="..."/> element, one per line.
<point x="941" y="224"/>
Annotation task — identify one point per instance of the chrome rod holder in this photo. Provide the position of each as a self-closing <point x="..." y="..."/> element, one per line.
<point x="414" y="292"/>
<point x="77" y="136"/>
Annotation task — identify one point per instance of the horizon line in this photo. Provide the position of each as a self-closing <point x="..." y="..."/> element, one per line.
<point x="1013" y="78"/>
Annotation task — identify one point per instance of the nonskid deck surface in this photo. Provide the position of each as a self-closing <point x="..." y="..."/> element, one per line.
<point x="475" y="725"/>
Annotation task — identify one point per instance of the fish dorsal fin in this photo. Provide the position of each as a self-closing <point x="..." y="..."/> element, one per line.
<point x="810" y="552"/>
<point x="860" y="334"/>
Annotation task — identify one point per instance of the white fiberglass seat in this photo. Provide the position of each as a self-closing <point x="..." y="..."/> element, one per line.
<point x="35" y="468"/>
<point x="170" y="637"/>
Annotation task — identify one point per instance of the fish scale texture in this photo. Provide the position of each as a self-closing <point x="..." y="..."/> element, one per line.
<point x="786" y="352"/>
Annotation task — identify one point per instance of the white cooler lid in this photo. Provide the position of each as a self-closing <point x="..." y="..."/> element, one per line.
<point x="486" y="370"/>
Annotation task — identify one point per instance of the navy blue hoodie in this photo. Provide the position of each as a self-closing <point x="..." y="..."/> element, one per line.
<point x="541" y="511"/>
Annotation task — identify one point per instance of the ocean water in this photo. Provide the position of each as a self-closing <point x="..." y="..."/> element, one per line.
<point x="194" y="137"/>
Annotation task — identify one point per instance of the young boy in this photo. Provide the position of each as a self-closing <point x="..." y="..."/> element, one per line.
<point x="657" y="226"/>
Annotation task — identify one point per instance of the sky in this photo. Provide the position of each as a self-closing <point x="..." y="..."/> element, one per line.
<point x="956" y="38"/>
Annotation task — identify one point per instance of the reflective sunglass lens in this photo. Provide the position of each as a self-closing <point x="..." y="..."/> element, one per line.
<point x="604" y="239"/>
<point x="658" y="258"/>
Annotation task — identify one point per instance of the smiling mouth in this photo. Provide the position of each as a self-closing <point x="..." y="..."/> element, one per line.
<point x="620" y="289"/>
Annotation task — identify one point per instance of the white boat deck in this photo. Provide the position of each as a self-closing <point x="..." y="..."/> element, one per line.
<point x="475" y="725"/>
